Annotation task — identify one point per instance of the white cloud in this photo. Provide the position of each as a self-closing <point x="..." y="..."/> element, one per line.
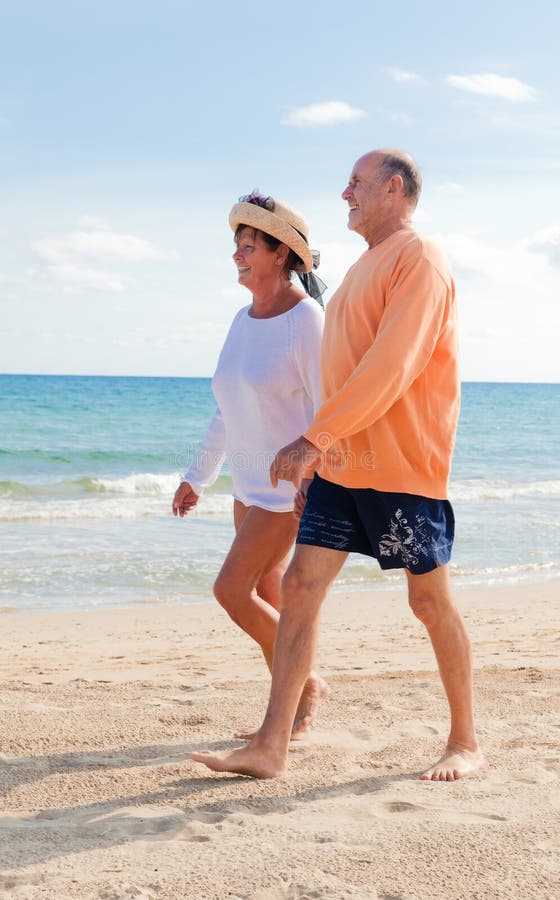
<point x="508" y="304"/>
<point x="97" y="245"/>
<point x="77" y="277"/>
<point x="331" y="112"/>
<point x="493" y="85"/>
<point x="547" y="241"/>
<point x="404" y="75"/>
<point x="79" y="259"/>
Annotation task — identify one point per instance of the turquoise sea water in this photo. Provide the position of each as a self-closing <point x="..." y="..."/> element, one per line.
<point x="88" y="468"/>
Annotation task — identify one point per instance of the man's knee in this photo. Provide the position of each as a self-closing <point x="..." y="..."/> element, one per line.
<point x="430" y="596"/>
<point x="429" y="606"/>
<point x="301" y="590"/>
<point x="293" y="582"/>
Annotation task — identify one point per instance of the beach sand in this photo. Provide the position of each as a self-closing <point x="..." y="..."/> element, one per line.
<point x="101" y="710"/>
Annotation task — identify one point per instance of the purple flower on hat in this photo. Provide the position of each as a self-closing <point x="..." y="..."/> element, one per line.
<point x="258" y="200"/>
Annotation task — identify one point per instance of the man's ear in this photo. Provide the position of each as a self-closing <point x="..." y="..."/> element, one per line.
<point x="395" y="184"/>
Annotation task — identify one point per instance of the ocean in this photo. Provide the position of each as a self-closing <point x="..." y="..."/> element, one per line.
<point x="89" y="466"/>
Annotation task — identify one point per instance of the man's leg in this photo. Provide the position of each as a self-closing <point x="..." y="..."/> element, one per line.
<point x="431" y="600"/>
<point x="306" y="583"/>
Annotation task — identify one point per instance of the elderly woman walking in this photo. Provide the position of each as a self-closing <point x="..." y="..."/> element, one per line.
<point x="267" y="385"/>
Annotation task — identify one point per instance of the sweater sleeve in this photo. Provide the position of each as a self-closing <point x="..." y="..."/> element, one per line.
<point x="205" y="467"/>
<point x="415" y="314"/>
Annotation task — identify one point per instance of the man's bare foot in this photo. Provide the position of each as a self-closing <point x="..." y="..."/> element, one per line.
<point x="455" y="764"/>
<point x="246" y="761"/>
<point x="315" y="690"/>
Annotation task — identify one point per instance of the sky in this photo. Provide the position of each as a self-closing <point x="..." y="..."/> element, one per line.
<point x="129" y="129"/>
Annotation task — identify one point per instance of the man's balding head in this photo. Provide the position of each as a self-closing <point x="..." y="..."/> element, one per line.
<point x="382" y="193"/>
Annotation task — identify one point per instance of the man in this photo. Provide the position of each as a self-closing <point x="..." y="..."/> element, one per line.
<point x="382" y="441"/>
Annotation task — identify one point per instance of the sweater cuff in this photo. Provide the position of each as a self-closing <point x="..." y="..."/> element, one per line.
<point x="319" y="437"/>
<point x="197" y="488"/>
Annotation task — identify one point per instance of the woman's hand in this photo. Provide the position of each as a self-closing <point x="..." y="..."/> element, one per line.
<point x="184" y="500"/>
<point x="300" y="498"/>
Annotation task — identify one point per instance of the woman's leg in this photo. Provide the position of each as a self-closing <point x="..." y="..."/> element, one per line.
<point x="249" y="588"/>
<point x="248" y="585"/>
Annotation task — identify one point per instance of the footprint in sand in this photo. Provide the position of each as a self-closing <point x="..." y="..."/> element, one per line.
<point x="292" y="892"/>
<point x="352" y="739"/>
<point x="552" y="767"/>
<point x="125" y="822"/>
<point x="194" y="832"/>
<point x="390" y="808"/>
<point x="182" y="701"/>
<point x="418" y="729"/>
<point x="362" y="734"/>
<point x="549" y="845"/>
<point x="11" y="882"/>
<point x="165" y="823"/>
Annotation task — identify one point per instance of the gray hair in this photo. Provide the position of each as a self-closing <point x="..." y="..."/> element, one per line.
<point x="397" y="162"/>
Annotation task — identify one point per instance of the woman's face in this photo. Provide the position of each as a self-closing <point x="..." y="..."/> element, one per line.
<point x="256" y="262"/>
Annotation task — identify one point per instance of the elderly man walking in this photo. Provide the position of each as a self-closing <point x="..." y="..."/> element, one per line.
<point x="382" y="442"/>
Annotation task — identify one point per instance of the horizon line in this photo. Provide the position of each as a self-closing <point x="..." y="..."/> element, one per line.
<point x="209" y="377"/>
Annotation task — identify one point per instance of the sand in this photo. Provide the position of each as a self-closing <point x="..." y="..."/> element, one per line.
<point x="101" y="710"/>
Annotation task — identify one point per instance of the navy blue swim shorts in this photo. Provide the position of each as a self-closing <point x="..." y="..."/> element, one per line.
<point x="401" y="531"/>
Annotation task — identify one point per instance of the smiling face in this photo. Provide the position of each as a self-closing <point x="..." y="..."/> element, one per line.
<point x="367" y="195"/>
<point x="257" y="264"/>
<point x="379" y="199"/>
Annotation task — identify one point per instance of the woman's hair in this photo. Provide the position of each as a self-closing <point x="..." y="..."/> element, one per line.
<point x="292" y="259"/>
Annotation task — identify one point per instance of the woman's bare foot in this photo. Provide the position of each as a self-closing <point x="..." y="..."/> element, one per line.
<point x="454" y="764"/>
<point x="246" y="761"/>
<point x="315" y="690"/>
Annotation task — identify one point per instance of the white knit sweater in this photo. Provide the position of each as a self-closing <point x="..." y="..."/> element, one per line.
<point x="267" y="385"/>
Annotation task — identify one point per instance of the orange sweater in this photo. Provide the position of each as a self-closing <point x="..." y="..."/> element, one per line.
<point x="390" y="372"/>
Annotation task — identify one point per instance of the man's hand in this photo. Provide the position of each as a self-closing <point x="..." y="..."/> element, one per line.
<point x="184" y="500"/>
<point x="292" y="460"/>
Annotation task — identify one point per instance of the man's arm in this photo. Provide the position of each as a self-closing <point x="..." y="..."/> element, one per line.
<point x="416" y="313"/>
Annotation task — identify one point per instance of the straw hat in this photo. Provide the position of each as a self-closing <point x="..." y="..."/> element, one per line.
<point x="279" y="220"/>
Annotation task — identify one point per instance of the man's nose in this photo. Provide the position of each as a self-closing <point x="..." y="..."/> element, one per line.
<point x="347" y="192"/>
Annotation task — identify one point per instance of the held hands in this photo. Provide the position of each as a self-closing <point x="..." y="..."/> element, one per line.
<point x="300" y="498"/>
<point x="292" y="460"/>
<point x="184" y="500"/>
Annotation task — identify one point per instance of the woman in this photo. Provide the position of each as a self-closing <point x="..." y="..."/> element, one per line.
<point x="267" y="383"/>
